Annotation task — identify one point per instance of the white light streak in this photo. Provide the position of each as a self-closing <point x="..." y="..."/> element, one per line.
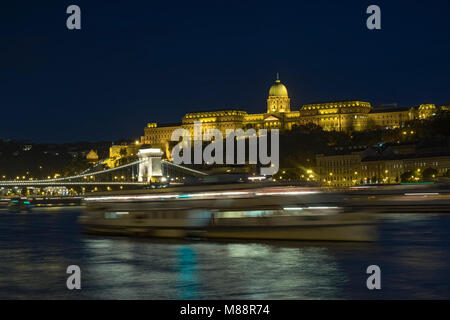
<point x="422" y="194"/>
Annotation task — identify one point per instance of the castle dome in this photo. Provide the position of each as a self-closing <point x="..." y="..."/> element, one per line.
<point x="278" y="89"/>
<point x="92" y="156"/>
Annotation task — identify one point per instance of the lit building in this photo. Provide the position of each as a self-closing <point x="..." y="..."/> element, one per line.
<point x="92" y="156"/>
<point x="118" y="154"/>
<point x="350" y="115"/>
<point x="348" y="167"/>
<point x="339" y="169"/>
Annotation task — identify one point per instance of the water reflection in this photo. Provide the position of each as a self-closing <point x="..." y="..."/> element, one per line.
<point x="36" y="249"/>
<point x="187" y="273"/>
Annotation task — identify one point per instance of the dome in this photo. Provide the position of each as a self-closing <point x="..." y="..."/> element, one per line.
<point x="278" y="89"/>
<point x="92" y="156"/>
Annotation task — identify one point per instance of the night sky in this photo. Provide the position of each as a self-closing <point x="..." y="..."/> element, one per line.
<point x="135" y="62"/>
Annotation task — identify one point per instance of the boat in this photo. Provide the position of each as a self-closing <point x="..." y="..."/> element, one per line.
<point x="238" y="211"/>
<point x="17" y="205"/>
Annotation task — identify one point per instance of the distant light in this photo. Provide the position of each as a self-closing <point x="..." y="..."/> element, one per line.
<point x="422" y="194"/>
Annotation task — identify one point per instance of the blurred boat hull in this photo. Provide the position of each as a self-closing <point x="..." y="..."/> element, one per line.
<point x="339" y="227"/>
<point x="272" y="213"/>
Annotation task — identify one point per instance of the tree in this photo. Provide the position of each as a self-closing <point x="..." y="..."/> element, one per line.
<point x="429" y="174"/>
<point x="406" y="176"/>
<point x="123" y="152"/>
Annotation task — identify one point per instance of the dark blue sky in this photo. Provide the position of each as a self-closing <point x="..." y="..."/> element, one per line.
<point x="135" y="62"/>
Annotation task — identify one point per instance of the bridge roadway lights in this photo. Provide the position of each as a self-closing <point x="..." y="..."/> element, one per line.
<point x="150" y="165"/>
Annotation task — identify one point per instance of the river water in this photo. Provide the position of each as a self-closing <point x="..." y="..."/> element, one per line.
<point x="413" y="253"/>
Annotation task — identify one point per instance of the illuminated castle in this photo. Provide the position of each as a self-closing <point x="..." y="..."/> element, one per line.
<point x="352" y="115"/>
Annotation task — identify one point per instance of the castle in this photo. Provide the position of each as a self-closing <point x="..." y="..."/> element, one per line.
<point x="351" y="115"/>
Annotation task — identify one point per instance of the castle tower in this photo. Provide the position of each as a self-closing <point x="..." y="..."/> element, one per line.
<point x="278" y="100"/>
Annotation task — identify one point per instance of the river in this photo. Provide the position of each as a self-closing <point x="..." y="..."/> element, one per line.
<point x="413" y="253"/>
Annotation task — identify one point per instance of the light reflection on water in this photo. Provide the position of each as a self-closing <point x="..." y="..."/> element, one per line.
<point x="35" y="250"/>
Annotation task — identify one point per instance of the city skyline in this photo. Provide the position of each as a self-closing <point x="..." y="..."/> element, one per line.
<point x="171" y="62"/>
<point x="225" y="159"/>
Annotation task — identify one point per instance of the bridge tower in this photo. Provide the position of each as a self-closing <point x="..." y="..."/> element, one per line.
<point x="150" y="165"/>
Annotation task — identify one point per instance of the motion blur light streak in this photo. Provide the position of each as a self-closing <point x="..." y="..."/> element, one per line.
<point x="282" y="192"/>
<point x="164" y="196"/>
<point x="422" y="194"/>
<point x="288" y="193"/>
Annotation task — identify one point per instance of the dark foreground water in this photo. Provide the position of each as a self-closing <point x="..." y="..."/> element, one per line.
<point x="35" y="249"/>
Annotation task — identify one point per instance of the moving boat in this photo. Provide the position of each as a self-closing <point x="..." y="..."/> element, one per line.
<point x="237" y="211"/>
<point x="17" y="205"/>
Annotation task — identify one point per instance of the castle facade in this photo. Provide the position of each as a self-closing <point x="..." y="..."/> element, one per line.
<point x="351" y="115"/>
